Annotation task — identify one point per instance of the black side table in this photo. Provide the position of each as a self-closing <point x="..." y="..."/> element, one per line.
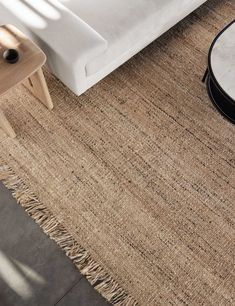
<point x="220" y="74"/>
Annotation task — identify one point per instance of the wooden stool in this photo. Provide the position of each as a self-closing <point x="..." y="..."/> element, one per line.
<point x="28" y="70"/>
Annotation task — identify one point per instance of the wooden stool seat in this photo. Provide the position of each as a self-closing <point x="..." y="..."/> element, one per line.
<point x="27" y="70"/>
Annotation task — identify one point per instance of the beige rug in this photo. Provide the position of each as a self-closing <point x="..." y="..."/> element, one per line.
<point x="135" y="179"/>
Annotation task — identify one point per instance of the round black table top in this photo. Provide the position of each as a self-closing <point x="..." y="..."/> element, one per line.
<point x="222" y="61"/>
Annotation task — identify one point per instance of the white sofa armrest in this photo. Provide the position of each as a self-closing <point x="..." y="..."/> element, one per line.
<point x="67" y="34"/>
<point x="67" y="40"/>
<point x="71" y="37"/>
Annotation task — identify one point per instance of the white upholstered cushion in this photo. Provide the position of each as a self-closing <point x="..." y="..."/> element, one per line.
<point x="124" y="23"/>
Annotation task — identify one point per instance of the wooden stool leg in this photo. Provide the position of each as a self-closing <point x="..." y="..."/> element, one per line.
<point x="36" y="83"/>
<point x="5" y="125"/>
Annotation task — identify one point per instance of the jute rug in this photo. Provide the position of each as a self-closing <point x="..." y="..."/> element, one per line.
<point x="135" y="179"/>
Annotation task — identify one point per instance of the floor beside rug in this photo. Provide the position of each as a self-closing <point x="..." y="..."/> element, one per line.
<point x="33" y="269"/>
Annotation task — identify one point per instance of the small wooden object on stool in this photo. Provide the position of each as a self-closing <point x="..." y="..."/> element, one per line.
<point x="27" y="69"/>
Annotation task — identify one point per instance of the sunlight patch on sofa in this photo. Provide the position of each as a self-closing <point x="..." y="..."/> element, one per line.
<point x="24" y="13"/>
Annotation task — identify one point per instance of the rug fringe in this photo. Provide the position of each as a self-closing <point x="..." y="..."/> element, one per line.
<point x="96" y="275"/>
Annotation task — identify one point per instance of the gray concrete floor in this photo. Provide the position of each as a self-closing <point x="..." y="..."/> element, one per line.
<point x="34" y="271"/>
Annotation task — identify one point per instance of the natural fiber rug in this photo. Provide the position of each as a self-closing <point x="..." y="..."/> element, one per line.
<point x="135" y="179"/>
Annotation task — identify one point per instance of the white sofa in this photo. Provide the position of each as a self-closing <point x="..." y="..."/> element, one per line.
<point x="85" y="40"/>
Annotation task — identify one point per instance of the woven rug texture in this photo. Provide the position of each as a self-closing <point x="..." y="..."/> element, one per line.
<point x="135" y="179"/>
